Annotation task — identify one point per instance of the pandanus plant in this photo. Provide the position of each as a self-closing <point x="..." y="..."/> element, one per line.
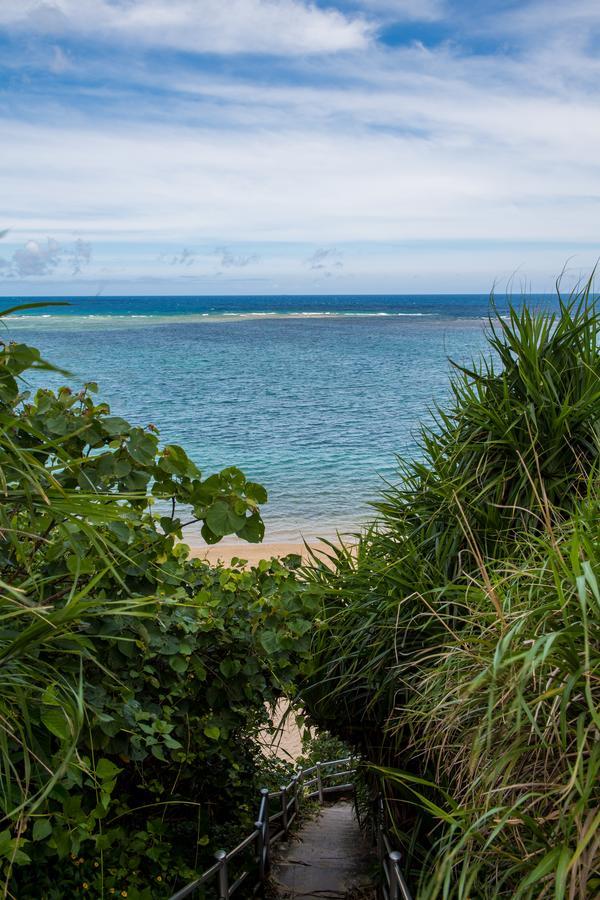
<point x="458" y="642"/>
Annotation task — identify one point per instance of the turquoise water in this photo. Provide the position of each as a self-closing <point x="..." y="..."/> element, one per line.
<point x="311" y="396"/>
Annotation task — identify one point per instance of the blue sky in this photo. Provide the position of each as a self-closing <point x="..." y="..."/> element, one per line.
<point x="288" y="146"/>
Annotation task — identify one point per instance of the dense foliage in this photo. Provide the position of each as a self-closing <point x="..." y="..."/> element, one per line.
<point x="459" y="643"/>
<point x="134" y="679"/>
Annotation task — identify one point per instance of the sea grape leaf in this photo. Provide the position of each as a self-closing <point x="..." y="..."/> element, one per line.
<point x="175" y="461"/>
<point x="114" y="425"/>
<point x="256" y="492"/>
<point x="221" y="519"/>
<point x="253" y="529"/>
<point x="178" y="663"/>
<point x="270" y="641"/>
<point x="230" y="667"/>
<point x="142" y="447"/>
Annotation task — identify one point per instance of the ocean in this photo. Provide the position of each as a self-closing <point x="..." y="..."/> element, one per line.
<point x="313" y="396"/>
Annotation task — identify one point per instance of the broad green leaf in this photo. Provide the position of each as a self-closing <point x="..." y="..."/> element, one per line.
<point x="114" y="425"/>
<point x="179" y="663"/>
<point x="222" y="520"/>
<point x="55" y="721"/>
<point x="230" y="667"/>
<point x="107" y="770"/>
<point x="253" y="529"/>
<point x="41" y="829"/>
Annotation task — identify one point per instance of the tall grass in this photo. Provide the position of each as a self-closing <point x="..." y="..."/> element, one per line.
<point x="459" y="643"/>
<point x="504" y="718"/>
<point x="517" y="440"/>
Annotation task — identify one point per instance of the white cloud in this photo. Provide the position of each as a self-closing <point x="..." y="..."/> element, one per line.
<point x="235" y="26"/>
<point x="541" y="15"/>
<point x="59" y="63"/>
<point x="417" y="145"/>
<point x="326" y="261"/>
<point x="187" y="257"/>
<point x="391" y="147"/>
<point x="230" y="260"/>
<point x="36" y="259"/>
<point x="503" y="174"/>
<point x="42" y="258"/>
<point x="78" y="255"/>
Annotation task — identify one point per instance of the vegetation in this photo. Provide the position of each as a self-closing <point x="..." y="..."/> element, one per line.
<point x="459" y="641"/>
<point x="134" y="680"/>
<point x="457" y="645"/>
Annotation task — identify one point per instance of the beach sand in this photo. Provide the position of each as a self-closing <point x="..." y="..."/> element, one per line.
<point x="253" y="553"/>
<point x="286" y="740"/>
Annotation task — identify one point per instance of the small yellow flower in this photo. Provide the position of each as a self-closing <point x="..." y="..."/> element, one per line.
<point x="96" y="864"/>
<point x="159" y="877"/>
<point x="123" y="893"/>
<point x="85" y="885"/>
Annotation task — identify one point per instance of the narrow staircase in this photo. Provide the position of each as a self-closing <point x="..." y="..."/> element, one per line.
<point x="327" y="860"/>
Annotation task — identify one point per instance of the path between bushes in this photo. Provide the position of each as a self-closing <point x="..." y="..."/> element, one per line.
<point x="328" y="859"/>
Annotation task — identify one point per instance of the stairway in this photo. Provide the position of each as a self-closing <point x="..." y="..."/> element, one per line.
<point x="327" y="860"/>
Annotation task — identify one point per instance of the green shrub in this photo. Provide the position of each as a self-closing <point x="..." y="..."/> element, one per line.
<point x="135" y="680"/>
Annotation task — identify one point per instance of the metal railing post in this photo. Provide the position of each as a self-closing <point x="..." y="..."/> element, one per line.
<point x="266" y="835"/>
<point x="284" y="810"/>
<point x="319" y="782"/>
<point x="219" y="871"/>
<point x="394" y="857"/>
<point x="297" y="792"/>
<point x="260" y="850"/>
<point x="221" y="857"/>
<point x="378" y="827"/>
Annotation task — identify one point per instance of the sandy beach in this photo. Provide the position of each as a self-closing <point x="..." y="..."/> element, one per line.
<point x="253" y="553"/>
<point x="285" y="741"/>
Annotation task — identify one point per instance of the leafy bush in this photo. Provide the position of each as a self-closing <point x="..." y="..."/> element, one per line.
<point x="321" y="746"/>
<point x="458" y="644"/>
<point x="135" y="680"/>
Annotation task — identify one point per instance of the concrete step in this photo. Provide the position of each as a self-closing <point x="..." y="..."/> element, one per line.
<point x="328" y="860"/>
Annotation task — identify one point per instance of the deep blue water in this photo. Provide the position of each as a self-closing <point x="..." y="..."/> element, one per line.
<point x="315" y="407"/>
<point x="441" y="305"/>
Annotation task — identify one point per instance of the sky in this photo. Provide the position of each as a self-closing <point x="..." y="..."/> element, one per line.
<point x="290" y="146"/>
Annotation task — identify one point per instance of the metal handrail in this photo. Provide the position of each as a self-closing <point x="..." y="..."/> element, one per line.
<point x="392" y="886"/>
<point x="289" y="797"/>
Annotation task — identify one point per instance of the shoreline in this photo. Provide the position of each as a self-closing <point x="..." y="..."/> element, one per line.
<point x="252" y="553"/>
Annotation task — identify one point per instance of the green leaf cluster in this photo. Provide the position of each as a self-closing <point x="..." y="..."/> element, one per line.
<point x="135" y="680"/>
